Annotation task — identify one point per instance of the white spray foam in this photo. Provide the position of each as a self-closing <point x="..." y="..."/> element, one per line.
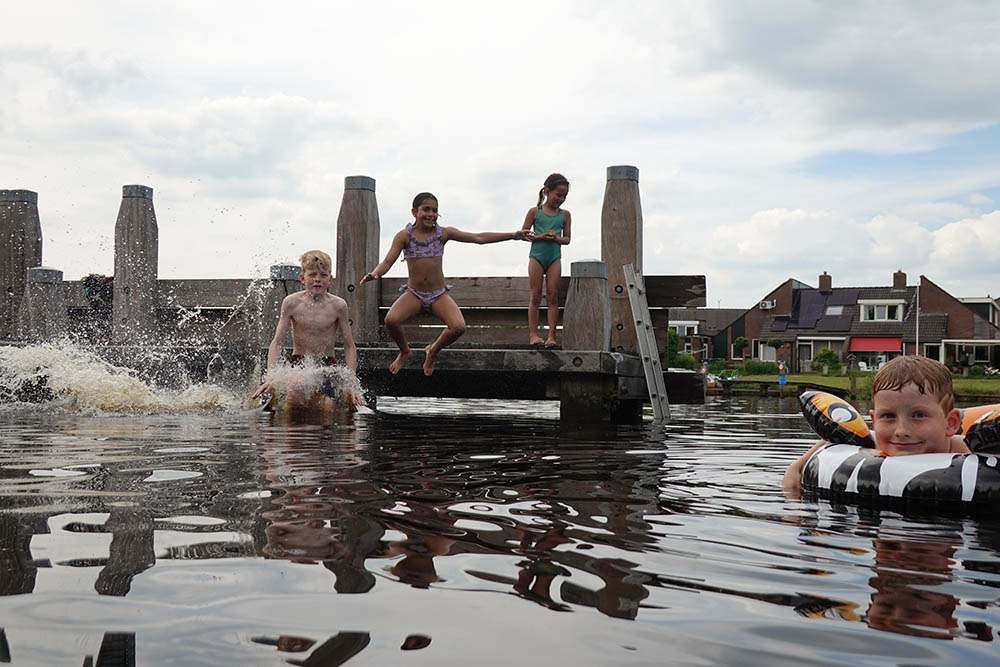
<point x="309" y="378"/>
<point x="80" y="380"/>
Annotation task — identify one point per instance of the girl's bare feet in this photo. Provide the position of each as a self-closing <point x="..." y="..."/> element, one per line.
<point x="535" y="340"/>
<point x="398" y="363"/>
<point x="551" y="343"/>
<point x="429" y="361"/>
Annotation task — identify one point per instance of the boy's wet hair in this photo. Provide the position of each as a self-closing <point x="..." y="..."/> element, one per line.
<point x="929" y="375"/>
<point x="551" y="183"/>
<point x="315" y="260"/>
<point x="419" y="199"/>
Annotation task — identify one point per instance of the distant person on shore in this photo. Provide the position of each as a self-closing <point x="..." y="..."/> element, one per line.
<point x="311" y="379"/>
<point x="422" y="245"/>
<point x="913" y="412"/>
<point x="547" y="226"/>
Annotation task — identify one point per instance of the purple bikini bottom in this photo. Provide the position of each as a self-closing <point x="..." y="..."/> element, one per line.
<point x="426" y="297"/>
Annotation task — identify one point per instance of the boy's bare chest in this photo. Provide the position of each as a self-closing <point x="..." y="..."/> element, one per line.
<point x="310" y="315"/>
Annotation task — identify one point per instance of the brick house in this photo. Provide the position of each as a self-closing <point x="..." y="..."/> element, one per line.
<point x="867" y="324"/>
<point x="698" y="328"/>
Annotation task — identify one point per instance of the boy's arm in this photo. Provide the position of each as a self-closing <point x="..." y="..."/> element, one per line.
<point x="791" y="483"/>
<point x="274" y="349"/>
<point x="398" y="242"/>
<point x="453" y="234"/>
<point x="958" y="446"/>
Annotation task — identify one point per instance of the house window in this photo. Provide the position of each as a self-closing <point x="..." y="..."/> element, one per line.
<point x="834" y="310"/>
<point x="672" y="328"/>
<point x="982" y="354"/>
<point x="881" y="311"/>
<point x="763" y="351"/>
<point x="691" y="330"/>
<point x="687" y="348"/>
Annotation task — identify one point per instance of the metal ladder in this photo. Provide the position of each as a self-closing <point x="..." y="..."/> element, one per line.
<point x="647" y="344"/>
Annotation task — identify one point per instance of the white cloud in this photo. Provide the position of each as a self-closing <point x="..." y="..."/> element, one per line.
<point x="246" y="117"/>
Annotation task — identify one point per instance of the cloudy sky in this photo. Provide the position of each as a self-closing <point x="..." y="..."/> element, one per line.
<point x="773" y="139"/>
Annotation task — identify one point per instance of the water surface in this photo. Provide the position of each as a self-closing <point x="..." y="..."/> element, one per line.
<point x="465" y="532"/>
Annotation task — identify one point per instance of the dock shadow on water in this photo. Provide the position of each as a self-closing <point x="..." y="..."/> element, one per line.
<point x="461" y="532"/>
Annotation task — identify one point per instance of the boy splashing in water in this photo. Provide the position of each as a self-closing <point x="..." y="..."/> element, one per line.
<point x="913" y="412"/>
<point x="315" y="317"/>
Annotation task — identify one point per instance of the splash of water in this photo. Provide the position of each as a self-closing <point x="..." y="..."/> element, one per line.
<point x="76" y="378"/>
<point x="310" y="378"/>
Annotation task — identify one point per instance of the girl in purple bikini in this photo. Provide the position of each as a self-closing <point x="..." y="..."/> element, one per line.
<point x="422" y="244"/>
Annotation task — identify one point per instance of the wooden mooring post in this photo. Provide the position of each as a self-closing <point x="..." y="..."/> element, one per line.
<point x="621" y="244"/>
<point x="43" y="309"/>
<point x="357" y="253"/>
<point x="20" y="250"/>
<point x="136" y="261"/>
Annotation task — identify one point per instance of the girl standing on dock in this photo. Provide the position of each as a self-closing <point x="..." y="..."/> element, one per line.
<point x="549" y="226"/>
<point x="422" y="244"/>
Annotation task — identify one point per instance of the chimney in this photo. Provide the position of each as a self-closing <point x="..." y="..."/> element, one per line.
<point x="825" y="282"/>
<point x="899" y="280"/>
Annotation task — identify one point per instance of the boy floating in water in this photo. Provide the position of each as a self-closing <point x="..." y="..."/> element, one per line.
<point x="913" y="413"/>
<point x="315" y="316"/>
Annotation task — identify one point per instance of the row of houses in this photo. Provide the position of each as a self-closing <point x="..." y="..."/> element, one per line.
<point x="863" y="325"/>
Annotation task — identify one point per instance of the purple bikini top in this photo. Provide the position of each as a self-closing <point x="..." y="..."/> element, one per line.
<point x="431" y="247"/>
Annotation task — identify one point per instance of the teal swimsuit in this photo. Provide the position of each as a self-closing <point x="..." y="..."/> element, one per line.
<point x="546" y="252"/>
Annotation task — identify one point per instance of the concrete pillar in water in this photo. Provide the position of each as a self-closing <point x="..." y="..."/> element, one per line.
<point x="621" y="243"/>
<point x="136" y="257"/>
<point x="20" y="249"/>
<point x="357" y="254"/>
<point x="587" y="316"/>
<point x="284" y="281"/>
<point x="43" y="309"/>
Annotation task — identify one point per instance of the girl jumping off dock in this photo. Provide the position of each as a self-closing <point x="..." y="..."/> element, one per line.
<point x="547" y="227"/>
<point x="422" y="244"/>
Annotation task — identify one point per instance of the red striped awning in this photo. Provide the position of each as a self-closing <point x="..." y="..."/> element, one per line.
<point x="861" y="344"/>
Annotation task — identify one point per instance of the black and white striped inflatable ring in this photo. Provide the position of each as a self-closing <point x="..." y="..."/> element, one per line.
<point x="847" y="466"/>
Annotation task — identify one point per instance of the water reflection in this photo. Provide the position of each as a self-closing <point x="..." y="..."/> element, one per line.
<point x="374" y="536"/>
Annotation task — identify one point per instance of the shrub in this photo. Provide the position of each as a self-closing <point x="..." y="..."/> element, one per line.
<point x="826" y="357"/>
<point x="740" y="343"/>
<point x="716" y="366"/>
<point x="755" y="367"/>
<point x="977" y="371"/>
<point x="686" y="361"/>
<point x="673" y="342"/>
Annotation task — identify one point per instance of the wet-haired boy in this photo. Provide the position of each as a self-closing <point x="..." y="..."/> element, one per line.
<point x="315" y="317"/>
<point x="913" y="412"/>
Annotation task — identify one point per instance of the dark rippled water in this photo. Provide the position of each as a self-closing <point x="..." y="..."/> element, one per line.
<point x="449" y="532"/>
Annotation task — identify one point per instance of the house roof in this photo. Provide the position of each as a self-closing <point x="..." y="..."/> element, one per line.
<point x="715" y="319"/>
<point x="810" y="316"/>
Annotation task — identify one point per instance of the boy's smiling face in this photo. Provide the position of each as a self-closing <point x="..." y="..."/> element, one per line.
<point x="908" y="421"/>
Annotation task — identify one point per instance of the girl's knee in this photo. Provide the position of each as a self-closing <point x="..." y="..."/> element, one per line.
<point x="458" y="328"/>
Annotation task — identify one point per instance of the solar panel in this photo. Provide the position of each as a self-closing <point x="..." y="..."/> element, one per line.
<point x="843" y="297"/>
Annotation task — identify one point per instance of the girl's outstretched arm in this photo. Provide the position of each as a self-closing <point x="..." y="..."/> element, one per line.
<point x="453" y="234"/>
<point x="398" y="242"/>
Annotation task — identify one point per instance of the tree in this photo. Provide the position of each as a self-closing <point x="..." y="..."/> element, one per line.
<point x="739" y="343"/>
<point x="673" y="343"/>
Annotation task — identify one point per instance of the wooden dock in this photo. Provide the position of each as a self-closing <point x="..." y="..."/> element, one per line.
<point x="596" y="376"/>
